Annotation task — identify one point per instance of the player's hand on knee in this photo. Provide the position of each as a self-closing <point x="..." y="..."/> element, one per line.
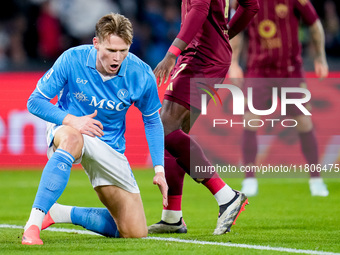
<point x="159" y="180"/>
<point x="86" y="124"/>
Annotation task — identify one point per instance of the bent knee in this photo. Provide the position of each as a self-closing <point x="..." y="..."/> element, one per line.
<point x="70" y="140"/>
<point x="134" y="233"/>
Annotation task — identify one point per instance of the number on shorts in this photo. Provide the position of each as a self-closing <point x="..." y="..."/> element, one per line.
<point x="180" y="69"/>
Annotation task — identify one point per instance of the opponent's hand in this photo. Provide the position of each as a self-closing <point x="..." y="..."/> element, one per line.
<point x="159" y="179"/>
<point x="86" y="124"/>
<point x="164" y="68"/>
<point x="321" y="68"/>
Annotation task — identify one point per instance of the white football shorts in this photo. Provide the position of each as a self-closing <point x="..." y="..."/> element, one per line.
<point x="102" y="164"/>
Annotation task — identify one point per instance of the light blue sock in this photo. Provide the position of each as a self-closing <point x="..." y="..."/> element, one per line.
<point x="98" y="220"/>
<point x="53" y="180"/>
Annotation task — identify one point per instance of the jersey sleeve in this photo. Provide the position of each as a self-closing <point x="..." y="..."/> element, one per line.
<point x="155" y="137"/>
<point x="245" y="11"/>
<point x="194" y="20"/>
<point x="306" y="11"/>
<point x="148" y="102"/>
<point x="55" y="79"/>
<point x="41" y="106"/>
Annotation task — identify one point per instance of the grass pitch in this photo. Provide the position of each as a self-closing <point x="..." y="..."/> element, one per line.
<point x="282" y="215"/>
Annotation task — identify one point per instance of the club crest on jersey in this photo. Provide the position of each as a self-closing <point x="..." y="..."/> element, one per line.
<point x="267" y="29"/>
<point x="122" y="93"/>
<point x="80" y="96"/>
<point x="281" y="10"/>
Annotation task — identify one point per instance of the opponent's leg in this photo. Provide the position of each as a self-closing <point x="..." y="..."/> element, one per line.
<point x="309" y="148"/>
<point x="54" y="178"/>
<point x="172" y="221"/>
<point x="249" y="152"/>
<point x="183" y="147"/>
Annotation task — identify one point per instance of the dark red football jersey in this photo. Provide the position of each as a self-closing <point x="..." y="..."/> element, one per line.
<point x="274" y="48"/>
<point x="207" y="36"/>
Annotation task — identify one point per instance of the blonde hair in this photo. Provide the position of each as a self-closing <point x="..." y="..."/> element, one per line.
<point x="114" y="24"/>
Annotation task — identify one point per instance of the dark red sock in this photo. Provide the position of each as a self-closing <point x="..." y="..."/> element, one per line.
<point x="174" y="203"/>
<point x="214" y="184"/>
<point x="309" y="147"/>
<point x="174" y="175"/>
<point x="188" y="154"/>
<point x="249" y="149"/>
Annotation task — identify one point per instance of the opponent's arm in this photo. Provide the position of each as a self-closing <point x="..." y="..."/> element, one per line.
<point x="310" y="17"/>
<point x="164" y="68"/>
<point x="318" y="42"/>
<point x="235" y="70"/>
<point x="155" y="136"/>
<point x="246" y="10"/>
<point x="193" y="22"/>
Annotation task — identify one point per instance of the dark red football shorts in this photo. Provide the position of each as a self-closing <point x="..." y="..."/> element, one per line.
<point x="190" y="77"/>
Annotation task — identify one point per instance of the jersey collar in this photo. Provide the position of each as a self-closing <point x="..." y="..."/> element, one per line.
<point x="91" y="62"/>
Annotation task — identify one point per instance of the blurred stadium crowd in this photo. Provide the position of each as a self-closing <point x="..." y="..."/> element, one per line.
<point x="33" y="33"/>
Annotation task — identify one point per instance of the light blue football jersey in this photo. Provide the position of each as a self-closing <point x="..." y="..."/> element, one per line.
<point x="81" y="90"/>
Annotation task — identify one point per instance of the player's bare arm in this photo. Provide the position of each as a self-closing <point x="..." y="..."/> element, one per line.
<point x="163" y="69"/>
<point x="85" y="125"/>
<point x="193" y="22"/>
<point x="318" y="41"/>
<point x="245" y="11"/>
<point x="235" y="70"/>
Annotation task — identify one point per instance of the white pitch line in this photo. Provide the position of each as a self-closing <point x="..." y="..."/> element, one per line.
<point x="64" y="230"/>
<point x="247" y="246"/>
<point x="178" y="240"/>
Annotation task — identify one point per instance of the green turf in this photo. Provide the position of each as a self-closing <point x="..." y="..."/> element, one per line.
<point x="282" y="215"/>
